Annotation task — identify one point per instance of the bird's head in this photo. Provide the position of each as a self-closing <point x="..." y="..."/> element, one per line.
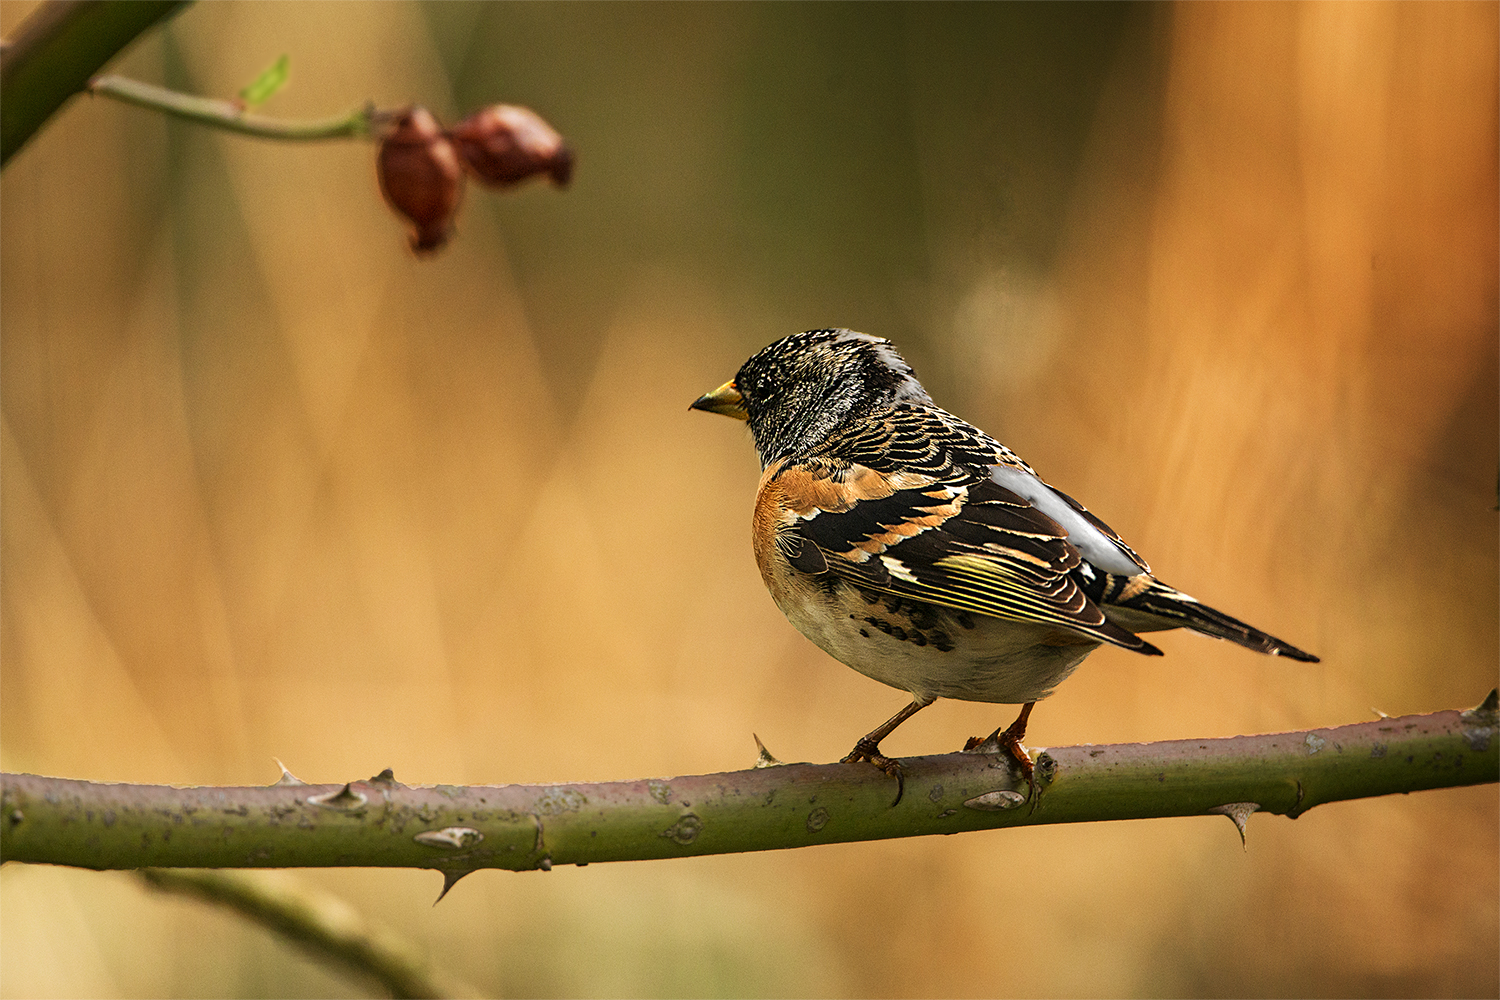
<point x="795" y="392"/>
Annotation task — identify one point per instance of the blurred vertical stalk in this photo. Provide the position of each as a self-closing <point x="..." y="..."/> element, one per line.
<point x="325" y="926"/>
<point x="56" y="50"/>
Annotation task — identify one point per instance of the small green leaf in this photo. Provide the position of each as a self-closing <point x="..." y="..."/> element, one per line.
<point x="272" y="79"/>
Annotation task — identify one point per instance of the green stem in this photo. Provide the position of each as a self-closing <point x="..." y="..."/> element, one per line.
<point x="232" y="117"/>
<point x="381" y="822"/>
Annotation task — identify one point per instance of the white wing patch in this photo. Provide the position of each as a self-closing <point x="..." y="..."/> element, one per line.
<point x="897" y="568"/>
<point x="1094" y="545"/>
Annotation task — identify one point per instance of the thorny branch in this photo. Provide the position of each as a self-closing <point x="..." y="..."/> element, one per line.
<point x="456" y="830"/>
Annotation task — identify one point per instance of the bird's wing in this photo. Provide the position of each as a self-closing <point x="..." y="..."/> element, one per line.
<point x="960" y="540"/>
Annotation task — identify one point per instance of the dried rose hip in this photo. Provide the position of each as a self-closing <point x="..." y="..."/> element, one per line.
<point x="504" y="144"/>
<point x="421" y="176"/>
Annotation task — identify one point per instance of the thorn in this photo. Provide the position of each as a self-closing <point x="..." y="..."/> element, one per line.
<point x="990" y="744"/>
<point x="345" y="798"/>
<point x="1378" y="713"/>
<point x="450" y="879"/>
<point x="1238" y="812"/>
<point x="1484" y="713"/>
<point x="287" y="777"/>
<point x="765" y="758"/>
<point x="1481" y="722"/>
<point x="385" y="777"/>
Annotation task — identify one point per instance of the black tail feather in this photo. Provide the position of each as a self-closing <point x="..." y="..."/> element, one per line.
<point x="1174" y="609"/>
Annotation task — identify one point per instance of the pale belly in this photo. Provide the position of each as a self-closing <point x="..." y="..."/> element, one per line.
<point x="928" y="650"/>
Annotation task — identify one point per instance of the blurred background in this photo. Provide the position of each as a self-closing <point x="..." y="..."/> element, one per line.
<point x="273" y="486"/>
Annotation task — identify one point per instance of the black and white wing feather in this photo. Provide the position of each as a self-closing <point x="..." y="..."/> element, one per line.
<point x="910" y="505"/>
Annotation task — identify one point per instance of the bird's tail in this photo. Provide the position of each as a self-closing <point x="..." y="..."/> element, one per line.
<point x="1159" y="606"/>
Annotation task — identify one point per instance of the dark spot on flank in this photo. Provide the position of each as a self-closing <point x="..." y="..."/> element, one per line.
<point x="923" y="616"/>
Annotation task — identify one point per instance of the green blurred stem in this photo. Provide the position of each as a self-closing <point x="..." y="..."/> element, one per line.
<point x="232" y="117"/>
<point x="52" y="54"/>
<point x="325" y="926"/>
<point x="456" y="830"/>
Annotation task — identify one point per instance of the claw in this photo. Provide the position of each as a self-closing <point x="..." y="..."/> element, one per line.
<point x="864" y="750"/>
<point x="1013" y="749"/>
<point x="868" y="747"/>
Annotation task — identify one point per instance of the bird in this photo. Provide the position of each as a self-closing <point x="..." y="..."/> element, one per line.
<point x="915" y="548"/>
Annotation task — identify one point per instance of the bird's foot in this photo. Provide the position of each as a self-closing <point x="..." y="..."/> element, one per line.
<point x="1008" y="742"/>
<point x="1010" y="745"/>
<point x="865" y="750"/>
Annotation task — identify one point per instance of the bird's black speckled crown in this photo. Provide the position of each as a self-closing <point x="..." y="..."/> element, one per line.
<point x="797" y="390"/>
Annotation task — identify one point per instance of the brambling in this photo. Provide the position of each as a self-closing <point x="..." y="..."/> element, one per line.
<point x="923" y="553"/>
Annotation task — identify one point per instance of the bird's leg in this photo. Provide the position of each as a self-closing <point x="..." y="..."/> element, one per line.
<point x="1009" y="741"/>
<point x="868" y="747"/>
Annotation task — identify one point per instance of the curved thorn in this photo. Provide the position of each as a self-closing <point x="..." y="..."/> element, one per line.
<point x="450" y="879"/>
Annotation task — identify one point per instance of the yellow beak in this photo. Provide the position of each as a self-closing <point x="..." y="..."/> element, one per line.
<point x="726" y="399"/>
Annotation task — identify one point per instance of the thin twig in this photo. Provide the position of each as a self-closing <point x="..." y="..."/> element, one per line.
<point x="232" y="116"/>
